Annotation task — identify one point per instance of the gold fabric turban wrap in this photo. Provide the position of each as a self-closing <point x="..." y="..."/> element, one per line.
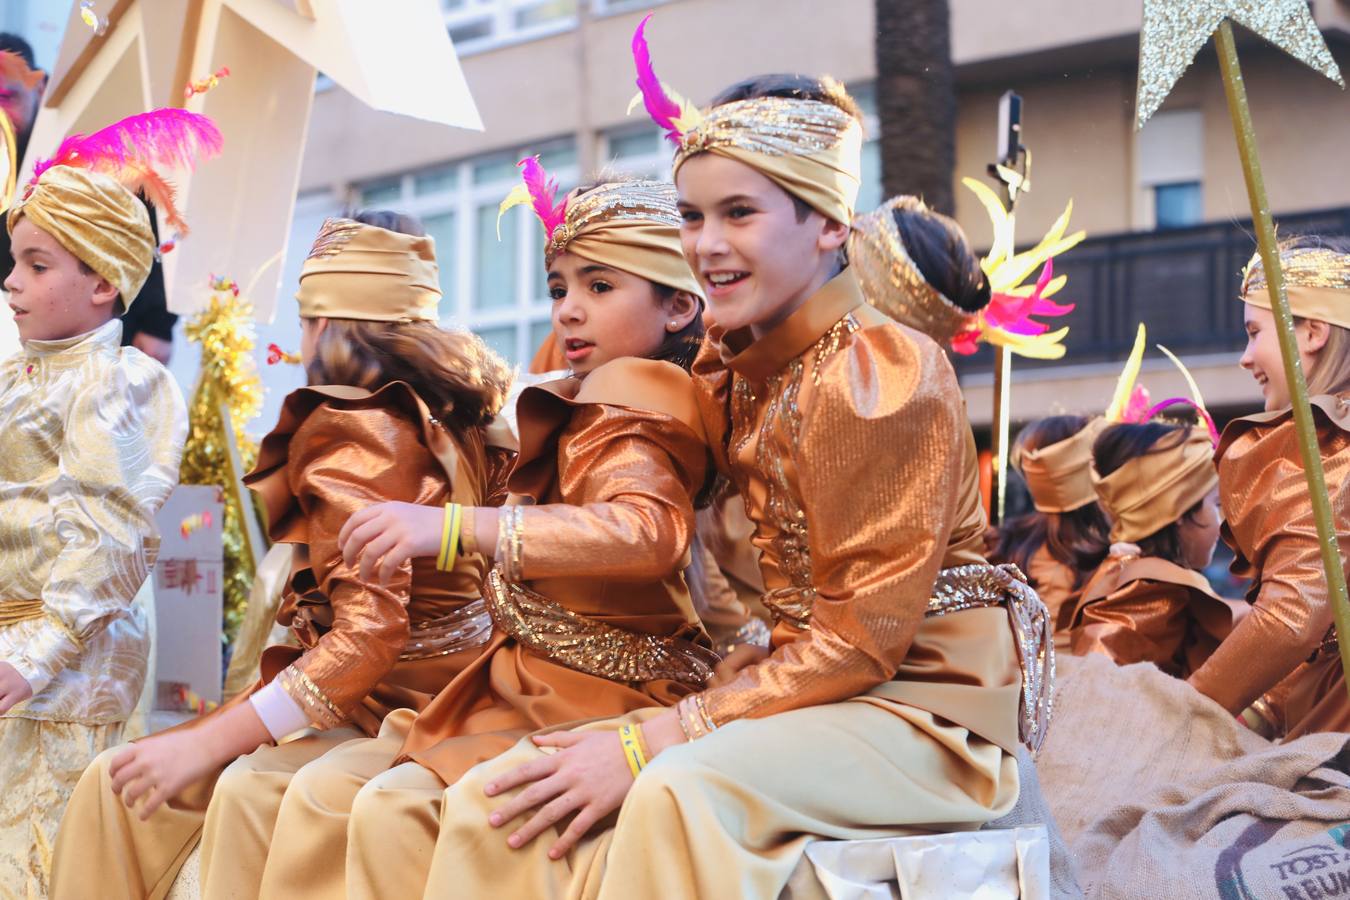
<point x="631" y="226"/>
<point x="1316" y="280"/>
<point x="101" y="223"/>
<point x="1059" y="475"/>
<point x="892" y="283"/>
<point x="1152" y="491"/>
<point x="809" y="148"/>
<point x="359" y="271"/>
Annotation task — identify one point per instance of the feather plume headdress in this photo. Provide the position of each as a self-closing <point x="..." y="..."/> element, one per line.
<point x="135" y="151"/>
<point x="1131" y="402"/>
<point x="810" y="148"/>
<point x="1007" y="320"/>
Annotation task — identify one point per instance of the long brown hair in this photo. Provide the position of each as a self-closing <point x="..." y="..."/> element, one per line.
<point x="458" y="377"/>
<point x="1077" y="539"/>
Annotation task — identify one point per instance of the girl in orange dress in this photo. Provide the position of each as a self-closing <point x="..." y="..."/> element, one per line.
<point x="397" y="408"/>
<point x="1149" y="601"/>
<point x="1281" y="665"/>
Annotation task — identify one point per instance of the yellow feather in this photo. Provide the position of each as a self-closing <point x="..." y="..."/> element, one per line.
<point x="519" y="195"/>
<point x="999" y="218"/>
<point x="1185" y="373"/>
<point x="1128" y="375"/>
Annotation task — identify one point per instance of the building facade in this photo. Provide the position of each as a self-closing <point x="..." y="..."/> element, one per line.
<point x="1163" y="207"/>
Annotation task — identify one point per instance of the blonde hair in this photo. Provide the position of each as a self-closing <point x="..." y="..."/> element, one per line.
<point x="462" y="381"/>
<point x="1330" y="372"/>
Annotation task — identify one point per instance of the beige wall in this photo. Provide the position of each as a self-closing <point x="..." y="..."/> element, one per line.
<point x="582" y="80"/>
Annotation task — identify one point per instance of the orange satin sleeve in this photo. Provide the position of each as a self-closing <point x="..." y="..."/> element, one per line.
<point x="1142" y="621"/>
<point x="712" y="394"/>
<point x="881" y="468"/>
<point x="343" y="460"/>
<point x="635" y="473"/>
<point x="1268" y="522"/>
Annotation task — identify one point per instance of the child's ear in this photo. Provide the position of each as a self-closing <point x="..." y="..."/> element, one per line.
<point x="833" y="235"/>
<point x="105" y="292"/>
<point x="683" y="307"/>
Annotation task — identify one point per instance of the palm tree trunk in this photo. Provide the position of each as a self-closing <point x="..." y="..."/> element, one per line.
<point x="916" y="100"/>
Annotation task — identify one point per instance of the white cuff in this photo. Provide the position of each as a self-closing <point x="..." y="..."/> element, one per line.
<point x="280" y="714"/>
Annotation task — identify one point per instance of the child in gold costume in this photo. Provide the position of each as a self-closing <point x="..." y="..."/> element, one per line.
<point x="1063" y="541"/>
<point x="1149" y="600"/>
<point x="591" y="614"/>
<point x="90" y="444"/>
<point x="1281" y="664"/>
<point x="891" y="698"/>
<point x="398" y="409"/>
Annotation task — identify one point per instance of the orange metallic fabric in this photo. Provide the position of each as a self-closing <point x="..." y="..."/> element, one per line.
<point x="1268" y="522"/>
<point x="1145" y="609"/>
<point x="367" y="648"/>
<point x="612" y="463"/>
<point x="845" y="434"/>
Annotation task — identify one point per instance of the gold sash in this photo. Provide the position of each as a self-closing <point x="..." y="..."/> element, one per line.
<point x="571" y="639"/>
<point x="977" y="586"/>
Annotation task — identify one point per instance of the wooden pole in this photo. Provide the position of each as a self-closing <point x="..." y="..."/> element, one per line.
<point x="1284" y="322"/>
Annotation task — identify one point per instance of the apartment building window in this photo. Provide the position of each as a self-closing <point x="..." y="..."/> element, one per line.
<point x="1171" y="169"/>
<point x="495" y="287"/>
<point x="476" y="25"/>
<point x="639" y="151"/>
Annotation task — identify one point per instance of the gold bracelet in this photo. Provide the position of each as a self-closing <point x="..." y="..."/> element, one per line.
<point x="679" y="715"/>
<point x="445" y="560"/>
<point x="689" y="720"/>
<point x="632" y="749"/>
<point x="702" y="708"/>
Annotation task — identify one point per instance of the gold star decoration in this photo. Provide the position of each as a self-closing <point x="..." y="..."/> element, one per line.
<point x="1174" y="31"/>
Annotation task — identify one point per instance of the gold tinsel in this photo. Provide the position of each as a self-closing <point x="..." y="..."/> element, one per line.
<point x="229" y="377"/>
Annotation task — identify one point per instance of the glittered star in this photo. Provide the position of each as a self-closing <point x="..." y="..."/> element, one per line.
<point x="1175" y="30"/>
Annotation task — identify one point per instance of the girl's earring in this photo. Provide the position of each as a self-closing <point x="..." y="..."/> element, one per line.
<point x="674" y="325"/>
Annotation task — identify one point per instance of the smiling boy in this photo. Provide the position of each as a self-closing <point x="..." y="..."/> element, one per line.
<point x="890" y="700"/>
<point x="91" y="434"/>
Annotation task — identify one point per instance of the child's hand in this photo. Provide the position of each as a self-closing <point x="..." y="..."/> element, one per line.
<point x="14" y="688"/>
<point x="159" y="767"/>
<point x="395" y="531"/>
<point x="742" y="656"/>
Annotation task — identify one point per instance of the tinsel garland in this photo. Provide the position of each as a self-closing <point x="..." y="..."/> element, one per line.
<point x="229" y="379"/>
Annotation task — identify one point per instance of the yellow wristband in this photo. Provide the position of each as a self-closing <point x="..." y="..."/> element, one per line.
<point x="632" y="749"/>
<point x="445" y="560"/>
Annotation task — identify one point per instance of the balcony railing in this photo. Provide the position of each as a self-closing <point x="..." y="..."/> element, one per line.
<point x="1182" y="283"/>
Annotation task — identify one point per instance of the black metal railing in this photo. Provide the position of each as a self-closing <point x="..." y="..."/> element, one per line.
<point x="1182" y="283"/>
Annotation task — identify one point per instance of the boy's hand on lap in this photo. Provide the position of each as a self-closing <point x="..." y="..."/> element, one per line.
<point x="14" y="688"/>
<point x="388" y="535"/>
<point x="588" y="777"/>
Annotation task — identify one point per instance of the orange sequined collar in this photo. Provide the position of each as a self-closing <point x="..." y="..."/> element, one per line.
<point x="759" y="360"/>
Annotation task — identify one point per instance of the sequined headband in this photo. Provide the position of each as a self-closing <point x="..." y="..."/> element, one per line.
<point x="630" y="225"/>
<point x="891" y="281"/>
<point x="810" y="148"/>
<point x="1316" y="281"/>
<point x="649" y="201"/>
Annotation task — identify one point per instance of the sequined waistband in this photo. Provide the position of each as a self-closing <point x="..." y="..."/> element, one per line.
<point x="978" y="586"/>
<point x="573" y="640"/>
<point x="469" y="626"/>
<point x="12" y="612"/>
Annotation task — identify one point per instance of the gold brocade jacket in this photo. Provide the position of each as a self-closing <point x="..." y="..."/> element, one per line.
<point x="600" y="621"/>
<point x="1268" y="522"/>
<point x="845" y="433"/>
<point x="1145" y="609"/>
<point x="366" y="648"/>
<point x="91" y="434"/>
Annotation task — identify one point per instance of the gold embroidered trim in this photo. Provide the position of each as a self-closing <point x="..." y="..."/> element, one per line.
<point x="648" y="201"/>
<point x="782" y="507"/>
<point x="467" y="627"/>
<point x="334" y="235"/>
<point x="980" y="586"/>
<point x="773" y="126"/>
<point x="571" y="639"/>
<point x="314" y="702"/>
